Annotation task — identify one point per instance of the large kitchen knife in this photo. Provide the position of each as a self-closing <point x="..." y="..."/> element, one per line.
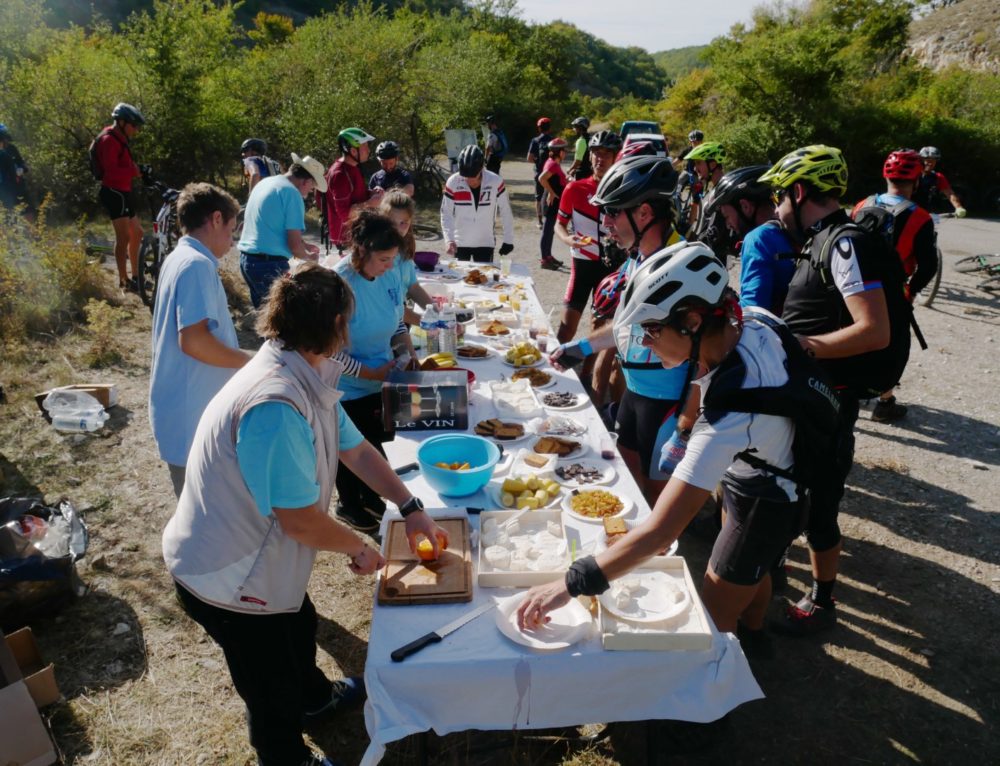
<point x="437" y="635"/>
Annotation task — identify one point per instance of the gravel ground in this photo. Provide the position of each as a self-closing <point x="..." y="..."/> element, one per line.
<point x="910" y="676"/>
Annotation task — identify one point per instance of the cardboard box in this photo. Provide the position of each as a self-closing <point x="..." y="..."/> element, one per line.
<point x="26" y="684"/>
<point x="488" y="577"/>
<point x="426" y="401"/>
<point x="105" y="393"/>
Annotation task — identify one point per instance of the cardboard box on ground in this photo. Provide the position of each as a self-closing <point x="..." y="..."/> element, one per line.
<point x="26" y="684"/>
<point x="105" y="393"/>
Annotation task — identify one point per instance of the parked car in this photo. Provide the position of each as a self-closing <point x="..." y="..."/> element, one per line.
<point x="638" y="126"/>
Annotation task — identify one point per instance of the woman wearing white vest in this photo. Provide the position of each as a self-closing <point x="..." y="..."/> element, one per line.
<point x="254" y="512"/>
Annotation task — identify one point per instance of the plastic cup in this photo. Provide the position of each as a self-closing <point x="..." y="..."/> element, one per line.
<point x="609" y="445"/>
<point x="505" y="262"/>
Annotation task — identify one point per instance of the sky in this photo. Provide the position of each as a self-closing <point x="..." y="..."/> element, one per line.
<point x="655" y="25"/>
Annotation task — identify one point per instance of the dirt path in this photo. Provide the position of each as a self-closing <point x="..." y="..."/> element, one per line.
<point x="911" y="674"/>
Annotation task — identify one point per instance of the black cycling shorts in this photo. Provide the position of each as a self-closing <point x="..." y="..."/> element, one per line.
<point x="539" y="189"/>
<point x="644" y="425"/>
<point x="118" y="204"/>
<point x="584" y="276"/>
<point x="754" y="535"/>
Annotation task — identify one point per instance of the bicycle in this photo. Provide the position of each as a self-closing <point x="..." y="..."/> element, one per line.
<point x="429" y="179"/>
<point x="156" y="246"/>
<point x="970" y="264"/>
<point x="685" y="197"/>
<point x="935" y="284"/>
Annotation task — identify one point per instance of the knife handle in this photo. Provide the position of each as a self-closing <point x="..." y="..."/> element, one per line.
<point x="414" y="646"/>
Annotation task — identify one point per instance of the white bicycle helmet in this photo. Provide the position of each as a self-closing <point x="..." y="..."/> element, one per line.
<point x="930" y="152"/>
<point x="677" y="277"/>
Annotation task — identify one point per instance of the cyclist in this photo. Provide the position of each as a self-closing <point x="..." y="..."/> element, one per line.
<point x="469" y="210"/>
<point x="695" y="138"/>
<point x="634" y="197"/>
<point x="839" y="325"/>
<point x="256" y="163"/>
<point x="913" y="239"/>
<point x="553" y="181"/>
<point x="345" y="186"/>
<point x="273" y="223"/>
<point x="581" y="167"/>
<point x="679" y="306"/>
<point x="195" y="348"/>
<point x="391" y="176"/>
<point x="932" y="183"/>
<point x="766" y="263"/>
<point x="496" y="145"/>
<point x="13" y="169"/>
<point x="538" y="152"/>
<point x="112" y="152"/>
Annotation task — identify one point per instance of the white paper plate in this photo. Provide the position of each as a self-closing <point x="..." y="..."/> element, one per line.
<point x="601" y="544"/>
<point x="552" y="380"/>
<point x="494" y="490"/>
<point x="506" y="460"/>
<point x="653" y="601"/>
<point x="566" y="625"/>
<point x="536" y="363"/>
<point x="507" y="442"/>
<point x="578" y="453"/>
<point x="526" y="392"/>
<point x="520" y="467"/>
<point x="582" y="400"/>
<point x="627" y="504"/>
<point x="441" y="276"/>
<point x="607" y="469"/>
<point x="475" y="359"/>
<point x="578" y="429"/>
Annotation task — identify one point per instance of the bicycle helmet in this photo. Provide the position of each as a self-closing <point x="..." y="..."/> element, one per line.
<point x="258" y="145"/>
<point x="490" y="119"/>
<point x="742" y="183"/>
<point x="128" y="113"/>
<point x="470" y="161"/>
<point x="4" y="132"/>
<point x="605" y="139"/>
<point x="352" y="138"/>
<point x="638" y="149"/>
<point x="387" y="150"/>
<point x="930" y="153"/>
<point x="543" y="122"/>
<point x="675" y="279"/>
<point x="635" y="180"/>
<point x="902" y="165"/>
<point x="710" y="151"/>
<point x="608" y="294"/>
<point x="821" y="166"/>
<point x="696" y="135"/>
<point x="580" y="122"/>
<point x="557" y="144"/>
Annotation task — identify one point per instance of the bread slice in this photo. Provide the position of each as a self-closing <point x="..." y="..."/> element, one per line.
<point x="615" y="526"/>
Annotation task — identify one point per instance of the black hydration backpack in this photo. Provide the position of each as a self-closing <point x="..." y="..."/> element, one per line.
<point x="807" y="399"/>
<point x="95" y="163"/>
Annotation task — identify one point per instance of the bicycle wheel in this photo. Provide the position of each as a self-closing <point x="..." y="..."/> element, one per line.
<point x="992" y="283"/>
<point x="148" y="271"/>
<point x="426" y="233"/>
<point x="936" y="282"/>
<point x="973" y="263"/>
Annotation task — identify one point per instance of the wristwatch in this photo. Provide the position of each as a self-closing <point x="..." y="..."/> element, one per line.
<point x="412" y="505"/>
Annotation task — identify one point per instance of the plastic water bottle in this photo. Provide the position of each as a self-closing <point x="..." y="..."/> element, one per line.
<point x="429" y="324"/>
<point x="448" y="324"/>
<point x="79" y="422"/>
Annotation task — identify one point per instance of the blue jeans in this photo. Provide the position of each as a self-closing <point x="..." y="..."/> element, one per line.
<point x="259" y="272"/>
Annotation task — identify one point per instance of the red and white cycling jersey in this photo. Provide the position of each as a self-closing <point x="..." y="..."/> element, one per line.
<point x="575" y="206"/>
<point x="471" y="223"/>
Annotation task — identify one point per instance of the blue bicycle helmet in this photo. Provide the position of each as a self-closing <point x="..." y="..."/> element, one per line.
<point x="128" y="113"/>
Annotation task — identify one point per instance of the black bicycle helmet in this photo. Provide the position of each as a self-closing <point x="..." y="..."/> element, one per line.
<point x="696" y="135"/>
<point x="128" y="113"/>
<point x="4" y="132"/>
<point x="742" y="183"/>
<point x="490" y="119"/>
<point x="605" y="139"/>
<point x="258" y="145"/>
<point x="387" y="150"/>
<point x="470" y="161"/>
<point x="635" y="180"/>
<point x="581" y="122"/>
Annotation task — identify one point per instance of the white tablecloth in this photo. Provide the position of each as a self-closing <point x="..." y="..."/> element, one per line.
<point x="478" y="679"/>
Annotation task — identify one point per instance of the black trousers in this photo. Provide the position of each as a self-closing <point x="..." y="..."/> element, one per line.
<point x="272" y="661"/>
<point x="366" y="413"/>
<point x="476" y="254"/>
<point x="548" y="230"/>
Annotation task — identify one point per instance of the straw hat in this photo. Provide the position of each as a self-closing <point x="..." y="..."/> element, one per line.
<point x="315" y="170"/>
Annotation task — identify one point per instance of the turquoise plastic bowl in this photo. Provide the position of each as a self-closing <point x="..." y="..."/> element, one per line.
<point x="482" y="454"/>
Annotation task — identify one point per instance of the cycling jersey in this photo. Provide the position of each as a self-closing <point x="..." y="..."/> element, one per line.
<point x="264" y="166"/>
<point x="912" y="238"/>
<point x="539" y="147"/>
<point x="114" y="156"/>
<point x="766" y="267"/>
<point x="468" y="219"/>
<point x="345" y="189"/>
<point x="928" y="187"/>
<point x="575" y="207"/>
<point x="397" y="178"/>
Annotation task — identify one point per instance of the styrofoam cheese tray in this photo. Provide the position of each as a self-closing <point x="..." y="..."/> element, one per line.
<point x="532" y="551"/>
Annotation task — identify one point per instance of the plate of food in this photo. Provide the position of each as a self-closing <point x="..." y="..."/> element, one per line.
<point x="565" y="627"/>
<point x="580" y="474"/>
<point x="523" y="354"/>
<point x="647" y="596"/>
<point x="476" y="277"/>
<point x="520" y="491"/>
<point x="441" y="274"/>
<point x="529" y="461"/>
<point x="595" y="504"/>
<point x="557" y="425"/>
<point x="616" y="528"/>
<point x="514" y="398"/>
<point x="474" y="353"/>
<point x="502" y="431"/>
<point x="565" y="401"/>
<point x="493" y="329"/>
<point x="565" y="449"/>
<point x="537" y="378"/>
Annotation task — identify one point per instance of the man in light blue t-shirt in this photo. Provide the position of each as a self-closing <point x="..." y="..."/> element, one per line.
<point x="273" y="223"/>
<point x="195" y="350"/>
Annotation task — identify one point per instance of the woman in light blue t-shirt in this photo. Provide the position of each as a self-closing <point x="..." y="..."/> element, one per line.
<point x="400" y="208"/>
<point x="377" y="323"/>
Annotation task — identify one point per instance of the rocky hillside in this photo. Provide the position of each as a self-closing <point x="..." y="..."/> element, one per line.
<point x="966" y="33"/>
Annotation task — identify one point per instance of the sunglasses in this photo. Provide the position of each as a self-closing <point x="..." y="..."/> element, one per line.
<point x="778" y="195"/>
<point x="612" y="211"/>
<point x="651" y="331"/>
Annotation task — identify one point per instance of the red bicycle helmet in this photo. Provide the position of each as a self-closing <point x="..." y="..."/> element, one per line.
<point x="637" y="149"/>
<point x="607" y="294"/>
<point x="902" y="165"/>
<point x="543" y="122"/>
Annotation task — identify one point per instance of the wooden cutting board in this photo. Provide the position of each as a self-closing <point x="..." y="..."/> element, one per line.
<point x="408" y="580"/>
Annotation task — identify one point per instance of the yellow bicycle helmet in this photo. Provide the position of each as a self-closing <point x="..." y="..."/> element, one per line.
<point x="821" y="166"/>
<point x="710" y="151"/>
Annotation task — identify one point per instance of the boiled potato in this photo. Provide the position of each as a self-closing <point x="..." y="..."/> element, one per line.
<point x="514" y="485"/>
<point x="507" y="499"/>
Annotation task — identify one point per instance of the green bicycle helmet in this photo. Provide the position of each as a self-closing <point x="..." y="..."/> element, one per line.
<point x="352" y="138"/>
<point x="710" y="151"/>
<point x="818" y="165"/>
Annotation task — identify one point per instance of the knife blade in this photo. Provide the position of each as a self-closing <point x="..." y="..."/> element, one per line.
<point x="437" y="635"/>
